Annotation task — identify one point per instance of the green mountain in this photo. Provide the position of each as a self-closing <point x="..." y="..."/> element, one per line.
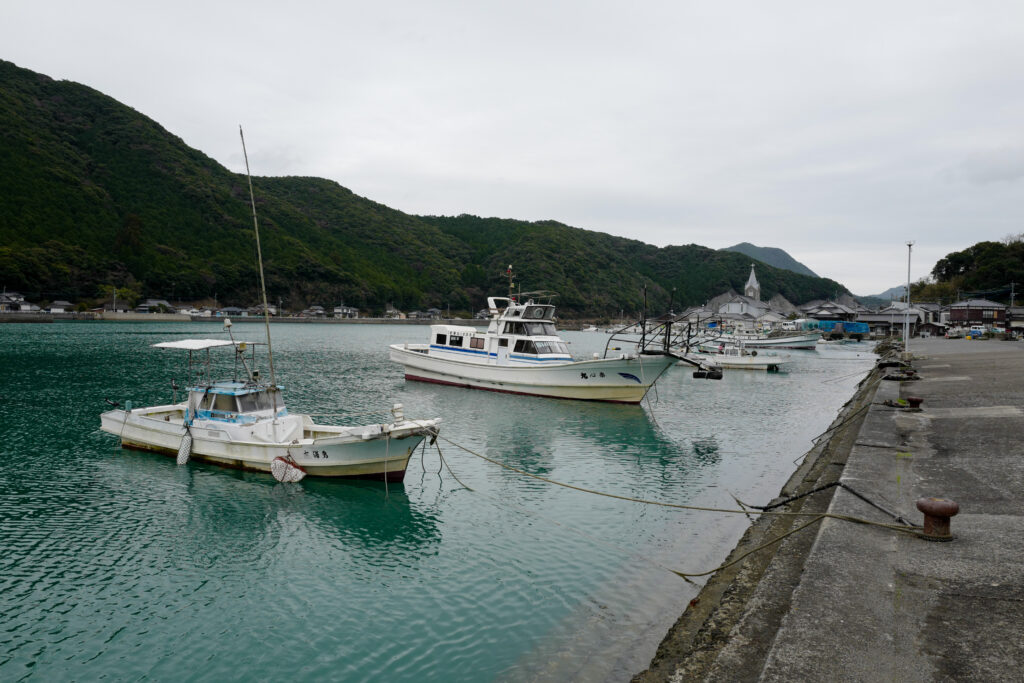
<point x="772" y="256"/>
<point x="93" y="194"/>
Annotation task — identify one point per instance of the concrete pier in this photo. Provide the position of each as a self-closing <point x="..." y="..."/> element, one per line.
<point x="845" y="601"/>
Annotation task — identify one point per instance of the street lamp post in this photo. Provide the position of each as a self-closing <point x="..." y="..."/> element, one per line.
<point x="906" y="312"/>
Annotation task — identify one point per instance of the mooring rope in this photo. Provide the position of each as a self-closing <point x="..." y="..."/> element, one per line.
<point x="903" y="526"/>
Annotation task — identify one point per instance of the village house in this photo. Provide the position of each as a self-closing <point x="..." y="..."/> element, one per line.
<point x="977" y="312"/>
<point x="155" y="306"/>
<point x="889" y="320"/>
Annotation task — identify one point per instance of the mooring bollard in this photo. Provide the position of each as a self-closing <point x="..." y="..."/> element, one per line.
<point x="937" y="512"/>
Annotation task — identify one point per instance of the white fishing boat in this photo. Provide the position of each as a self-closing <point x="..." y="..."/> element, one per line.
<point x="738" y="358"/>
<point x="521" y="353"/>
<point x="245" y="424"/>
<point x="806" y="341"/>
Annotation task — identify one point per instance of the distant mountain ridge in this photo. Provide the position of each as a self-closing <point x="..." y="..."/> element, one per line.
<point x="95" y="195"/>
<point x="773" y="256"/>
<point x="897" y="292"/>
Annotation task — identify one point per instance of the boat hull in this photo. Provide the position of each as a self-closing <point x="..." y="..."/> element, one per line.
<point x="371" y="452"/>
<point x="805" y="342"/>
<point x="616" y="380"/>
<point x="765" y="363"/>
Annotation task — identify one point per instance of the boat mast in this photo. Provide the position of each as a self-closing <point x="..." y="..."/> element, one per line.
<point x="259" y="257"/>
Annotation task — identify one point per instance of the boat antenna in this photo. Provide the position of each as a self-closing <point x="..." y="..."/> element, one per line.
<point x="510" y="288"/>
<point x="259" y="257"/>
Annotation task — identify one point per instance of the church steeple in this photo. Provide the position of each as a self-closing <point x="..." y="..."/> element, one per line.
<point x="752" y="288"/>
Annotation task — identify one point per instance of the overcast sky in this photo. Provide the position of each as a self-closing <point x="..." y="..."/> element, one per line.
<point x="837" y="131"/>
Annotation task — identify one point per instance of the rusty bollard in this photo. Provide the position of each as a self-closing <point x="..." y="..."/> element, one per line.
<point x="915" y="402"/>
<point x="937" y="512"/>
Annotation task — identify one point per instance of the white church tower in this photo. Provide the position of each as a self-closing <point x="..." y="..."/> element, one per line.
<point x="752" y="288"/>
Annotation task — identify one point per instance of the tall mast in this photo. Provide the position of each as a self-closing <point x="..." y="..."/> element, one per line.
<point x="259" y="257"/>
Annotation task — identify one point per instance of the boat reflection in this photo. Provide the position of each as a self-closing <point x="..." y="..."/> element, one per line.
<point x="222" y="512"/>
<point x="560" y="439"/>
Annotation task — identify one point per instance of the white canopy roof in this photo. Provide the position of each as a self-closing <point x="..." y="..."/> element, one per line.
<point x="195" y="344"/>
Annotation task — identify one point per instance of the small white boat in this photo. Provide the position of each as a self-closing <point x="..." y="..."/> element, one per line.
<point x="590" y="328"/>
<point x="738" y="358"/>
<point x="244" y="424"/>
<point x="521" y="353"/>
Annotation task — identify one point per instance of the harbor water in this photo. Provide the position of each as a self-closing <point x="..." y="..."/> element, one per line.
<point x="120" y="565"/>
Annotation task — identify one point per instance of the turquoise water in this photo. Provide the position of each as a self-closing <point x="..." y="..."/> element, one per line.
<point x="119" y="565"/>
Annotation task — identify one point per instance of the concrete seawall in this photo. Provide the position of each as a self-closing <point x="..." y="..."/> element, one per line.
<point x="845" y="601"/>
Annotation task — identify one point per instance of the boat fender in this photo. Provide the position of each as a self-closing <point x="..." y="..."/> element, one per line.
<point x="700" y="374"/>
<point x="714" y="374"/>
<point x="185" y="449"/>
<point x="753" y="353"/>
<point x="286" y="470"/>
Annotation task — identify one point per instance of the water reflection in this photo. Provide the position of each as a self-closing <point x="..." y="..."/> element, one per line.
<point x="236" y="511"/>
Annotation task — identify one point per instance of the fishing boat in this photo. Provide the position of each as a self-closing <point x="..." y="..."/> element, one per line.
<point x="521" y="353"/>
<point x="243" y="422"/>
<point x="806" y="342"/>
<point x="737" y="357"/>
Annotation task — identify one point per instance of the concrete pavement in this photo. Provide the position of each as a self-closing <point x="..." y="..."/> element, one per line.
<point x="844" y="601"/>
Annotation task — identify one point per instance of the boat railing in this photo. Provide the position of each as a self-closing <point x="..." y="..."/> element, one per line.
<point x="672" y="335"/>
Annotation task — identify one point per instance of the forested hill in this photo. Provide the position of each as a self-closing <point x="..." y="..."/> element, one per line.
<point x="93" y="194"/>
<point x="990" y="270"/>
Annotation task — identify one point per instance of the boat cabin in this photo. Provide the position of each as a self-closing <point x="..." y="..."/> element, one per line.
<point x="238" y="402"/>
<point x="521" y="333"/>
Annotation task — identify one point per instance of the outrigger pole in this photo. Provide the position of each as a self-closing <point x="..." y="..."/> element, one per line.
<point x="259" y="257"/>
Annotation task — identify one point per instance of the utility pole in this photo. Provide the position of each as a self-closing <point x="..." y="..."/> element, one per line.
<point x="906" y="313"/>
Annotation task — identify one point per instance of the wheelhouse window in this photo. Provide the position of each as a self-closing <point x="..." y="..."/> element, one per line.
<point x="250" y="403"/>
<point x="503" y="342"/>
<point x="476" y="343"/>
<point x="552" y="347"/>
<point x="541" y="329"/>
<point x="538" y="312"/>
<point x="441" y="339"/>
<point x="224" y="403"/>
<point x="454" y="341"/>
<point x="525" y="346"/>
